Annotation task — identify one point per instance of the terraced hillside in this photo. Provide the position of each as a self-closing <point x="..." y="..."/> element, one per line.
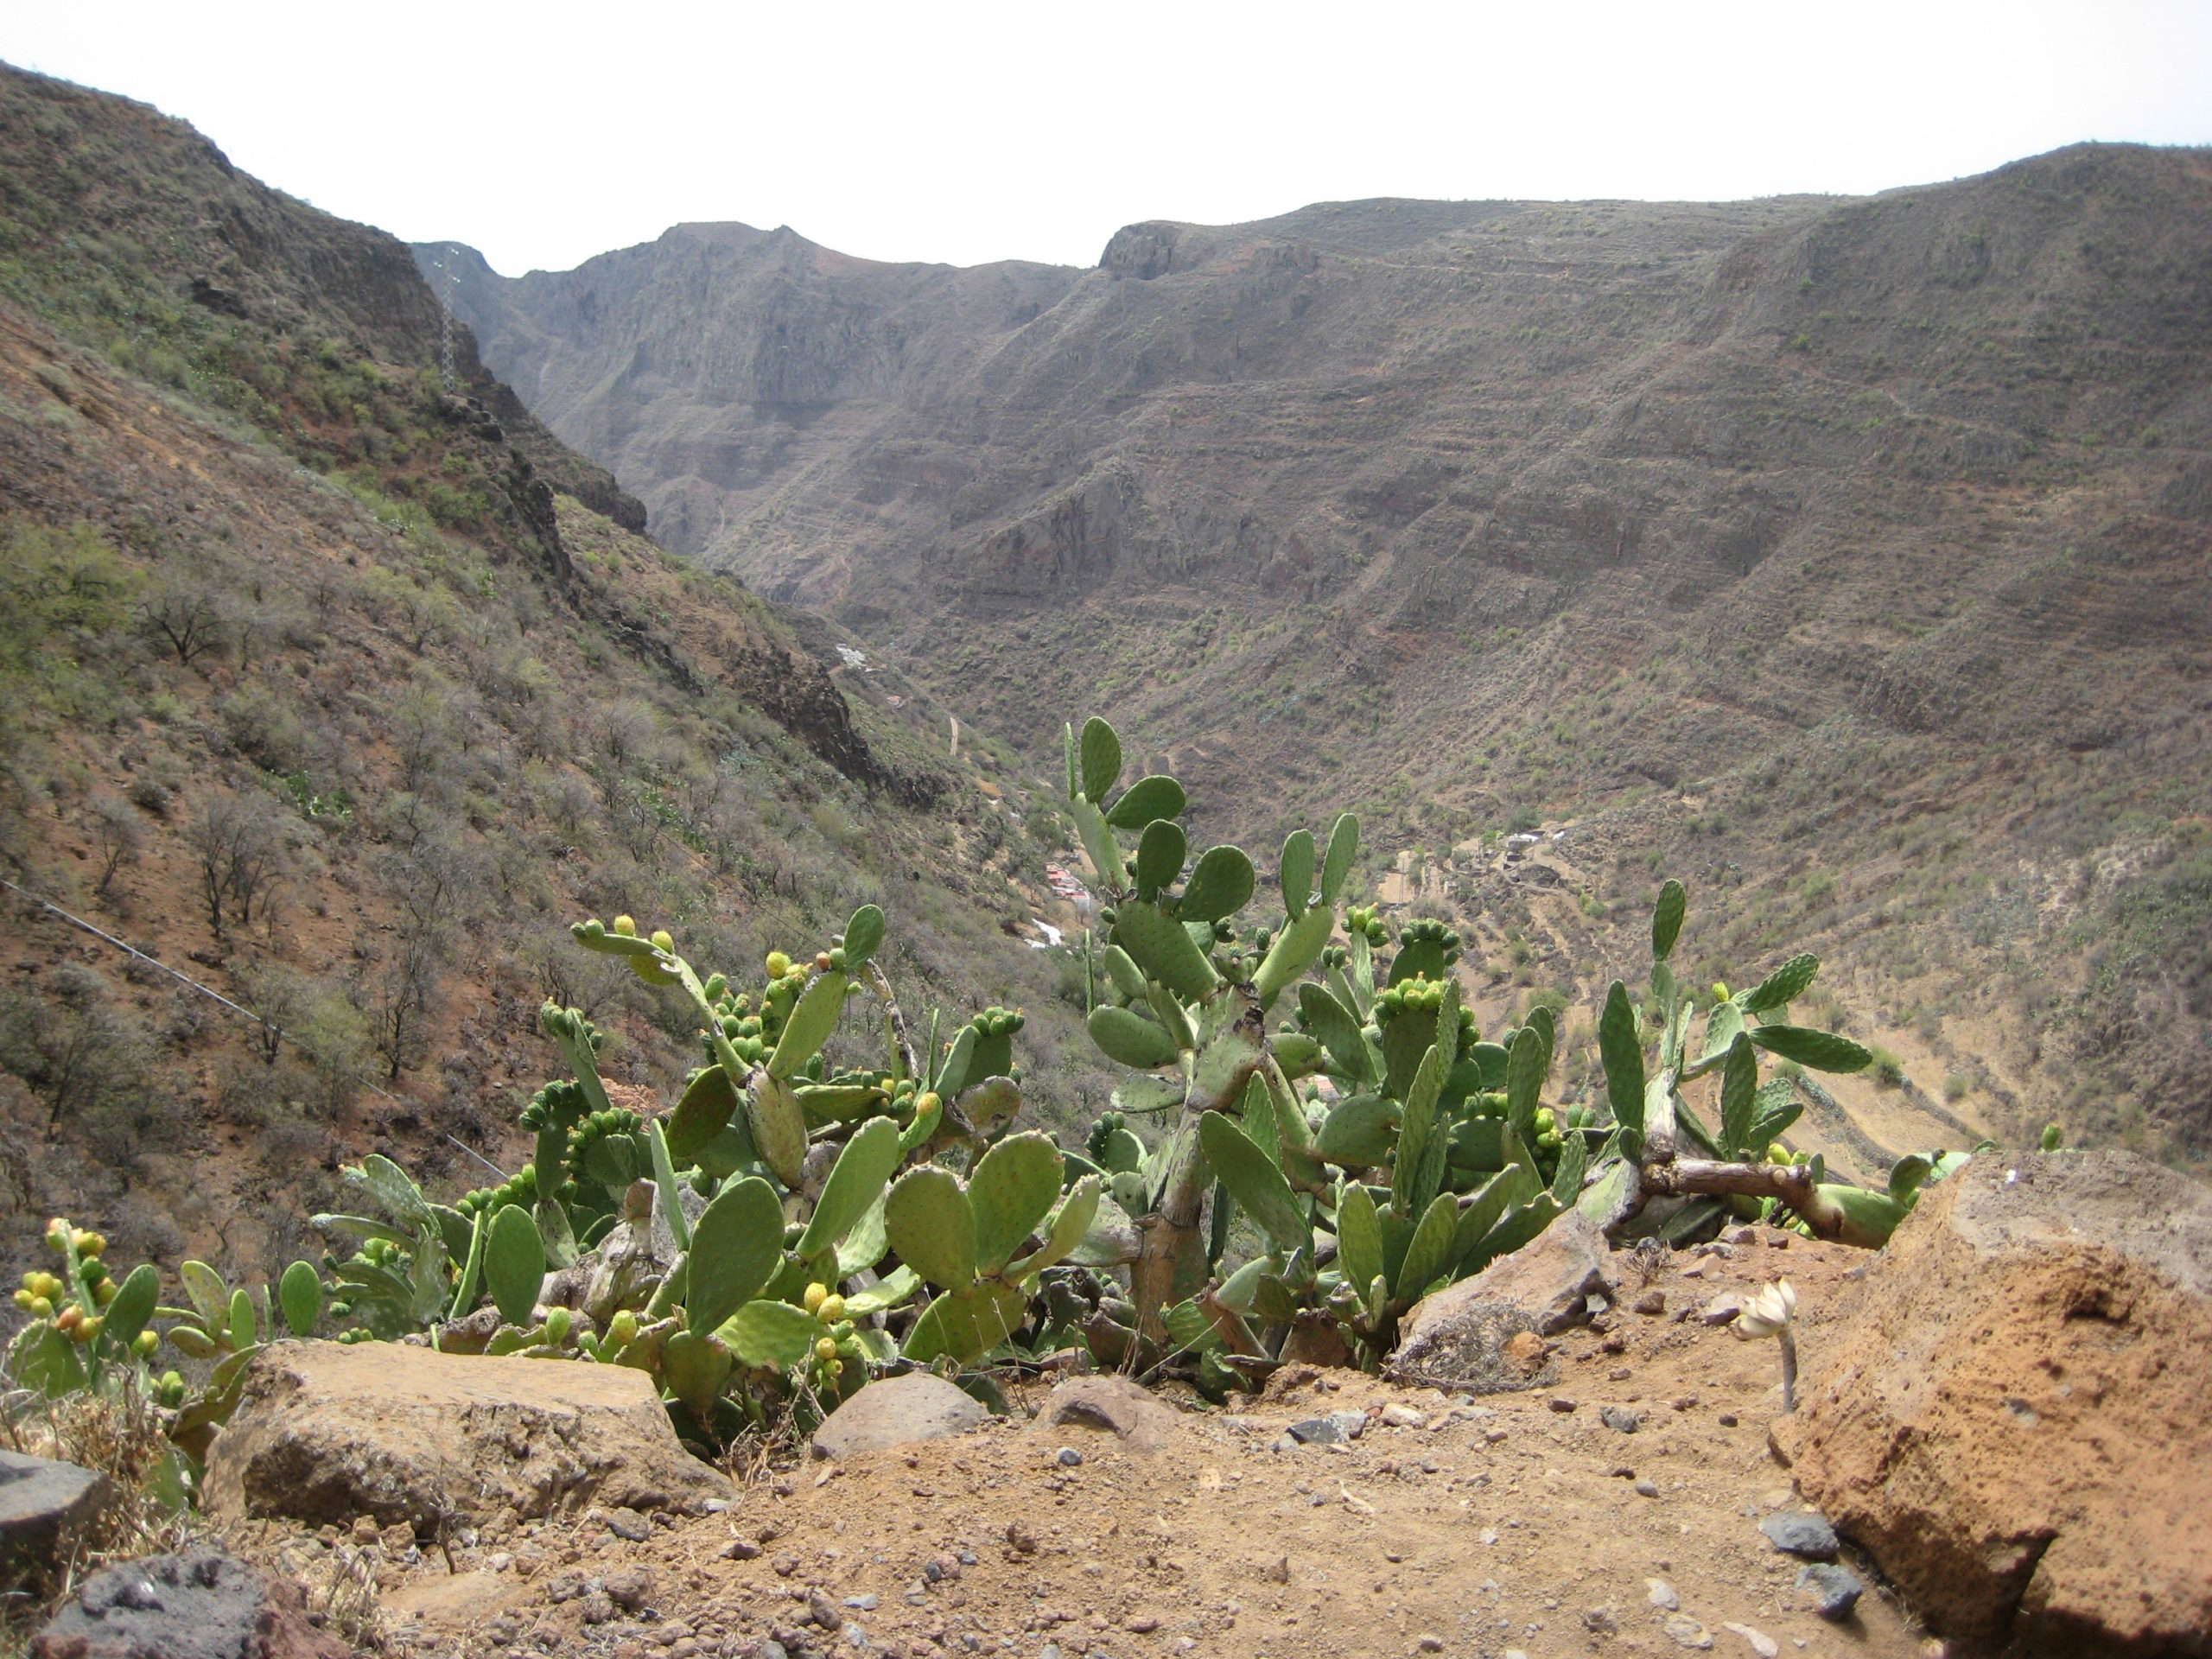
<point x="1850" y="558"/>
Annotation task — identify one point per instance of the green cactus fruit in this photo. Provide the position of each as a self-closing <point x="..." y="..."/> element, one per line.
<point x="2053" y="1137"/>
<point x="559" y="1323"/>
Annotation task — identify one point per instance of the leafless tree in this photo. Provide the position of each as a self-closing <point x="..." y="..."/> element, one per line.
<point x="186" y="617"/>
<point x="240" y="855"/>
<point x="118" y="837"/>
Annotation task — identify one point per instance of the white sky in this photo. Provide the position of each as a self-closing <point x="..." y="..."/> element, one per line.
<point x="966" y="131"/>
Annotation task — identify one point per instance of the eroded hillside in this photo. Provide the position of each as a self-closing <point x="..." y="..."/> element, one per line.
<point x="343" y="689"/>
<point x="1851" y="560"/>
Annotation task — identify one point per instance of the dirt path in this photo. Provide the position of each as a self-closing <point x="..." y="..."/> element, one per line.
<point x="1484" y="1527"/>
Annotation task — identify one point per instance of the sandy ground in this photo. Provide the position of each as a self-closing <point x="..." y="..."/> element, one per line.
<point x="1514" y="1523"/>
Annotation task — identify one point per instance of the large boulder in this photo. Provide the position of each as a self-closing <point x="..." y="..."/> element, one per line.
<point x="2014" y="1412"/>
<point x="327" y="1432"/>
<point x="1486" y="1334"/>
<point x="204" y="1604"/>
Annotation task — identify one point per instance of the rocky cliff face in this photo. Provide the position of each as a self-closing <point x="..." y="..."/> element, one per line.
<point x="1717" y="524"/>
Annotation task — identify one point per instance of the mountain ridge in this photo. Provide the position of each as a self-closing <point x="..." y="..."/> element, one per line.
<point x="337" y="684"/>
<point x="1467" y="510"/>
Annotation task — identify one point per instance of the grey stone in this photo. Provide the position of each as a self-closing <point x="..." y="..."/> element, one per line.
<point x="1317" y="1431"/>
<point x="42" y="1501"/>
<point x="203" y="1604"/>
<point x="1686" y="1632"/>
<point x="1838" y="1588"/>
<point x="1800" y="1532"/>
<point x="897" y="1411"/>
<point x="1620" y="1418"/>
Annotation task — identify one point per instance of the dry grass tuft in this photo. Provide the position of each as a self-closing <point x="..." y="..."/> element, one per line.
<point x="118" y="1436"/>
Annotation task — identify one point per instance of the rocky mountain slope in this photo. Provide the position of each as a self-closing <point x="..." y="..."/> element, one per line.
<point x="1854" y="558"/>
<point x="339" y="685"/>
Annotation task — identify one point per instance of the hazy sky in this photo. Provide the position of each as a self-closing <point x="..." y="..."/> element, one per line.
<point x="548" y="132"/>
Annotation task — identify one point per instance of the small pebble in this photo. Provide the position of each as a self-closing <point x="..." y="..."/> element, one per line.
<point x="1762" y="1644"/>
<point x="1068" y="1457"/>
<point x="1800" y="1532"/>
<point x="1686" y="1632"/>
<point x="1560" y="1403"/>
<point x="1660" y="1594"/>
<point x="1619" y="1419"/>
<point x="1647" y="1489"/>
<point x="1838" y="1588"/>
<point x="1727" y="1420"/>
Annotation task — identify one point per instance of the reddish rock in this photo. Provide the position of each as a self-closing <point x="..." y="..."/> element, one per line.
<point x="326" y="1432"/>
<point x="2011" y="1414"/>
<point x="1135" y="1416"/>
<point x="1484" y="1334"/>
